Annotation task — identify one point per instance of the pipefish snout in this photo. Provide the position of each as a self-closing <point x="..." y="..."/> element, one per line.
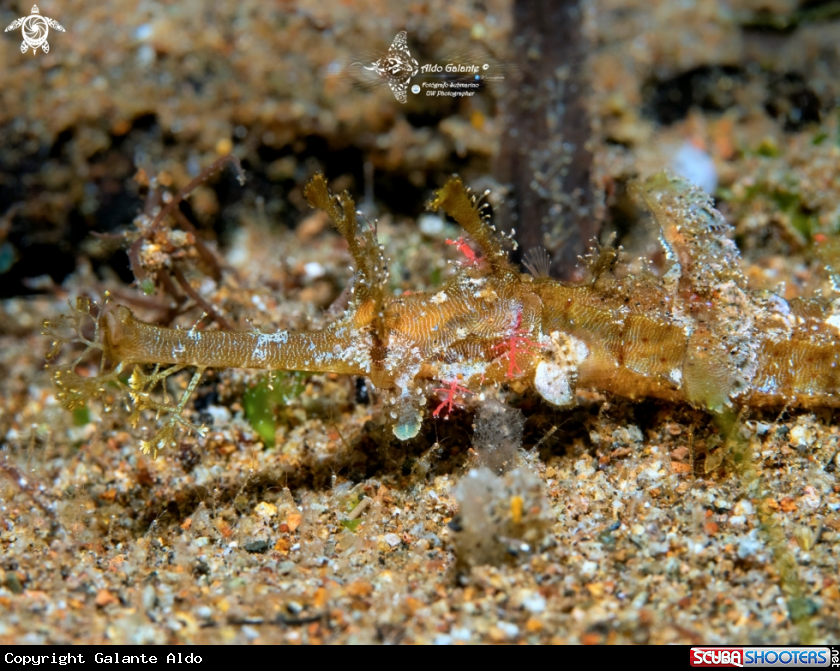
<point x="692" y="334"/>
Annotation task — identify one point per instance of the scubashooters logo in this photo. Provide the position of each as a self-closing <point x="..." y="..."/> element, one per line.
<point x="790" y="657"/>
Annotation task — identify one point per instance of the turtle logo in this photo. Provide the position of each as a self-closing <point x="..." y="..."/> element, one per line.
<point x="397" y="66"/>
<point x="35" y="31"/>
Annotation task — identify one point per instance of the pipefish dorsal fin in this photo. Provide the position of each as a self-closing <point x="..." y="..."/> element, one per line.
<point x="371" y="264"/>
<point x="695" y="231"/>
<point x="706" y="273"/>
<point x="459" y="203"/>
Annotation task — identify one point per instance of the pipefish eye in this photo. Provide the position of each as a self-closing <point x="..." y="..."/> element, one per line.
<point x="113" y="320"/>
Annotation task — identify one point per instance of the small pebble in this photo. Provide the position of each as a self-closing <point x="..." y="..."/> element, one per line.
<point x="256" y="547"/>
<point x="431" y="225"/>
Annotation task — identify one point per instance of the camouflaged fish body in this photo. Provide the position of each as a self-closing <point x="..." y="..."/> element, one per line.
<point x="693" y="334"/>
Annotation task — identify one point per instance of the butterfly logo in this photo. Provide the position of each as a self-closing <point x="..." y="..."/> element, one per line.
<point x="397" y="66"/>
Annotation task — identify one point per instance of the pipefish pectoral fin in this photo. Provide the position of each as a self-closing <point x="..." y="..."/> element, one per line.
<point x="708" y="380"/>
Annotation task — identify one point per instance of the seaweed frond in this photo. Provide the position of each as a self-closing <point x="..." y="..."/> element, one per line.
<point x="143" y="393"/>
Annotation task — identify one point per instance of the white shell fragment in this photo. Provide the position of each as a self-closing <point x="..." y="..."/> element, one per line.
<point x="556" y="374"/>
